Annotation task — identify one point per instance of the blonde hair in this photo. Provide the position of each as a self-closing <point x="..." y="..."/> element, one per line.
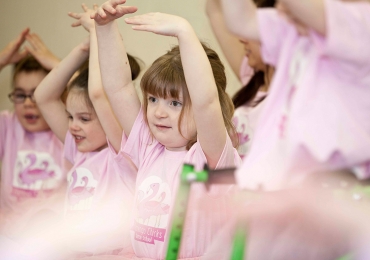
<point x="165" y="78"/>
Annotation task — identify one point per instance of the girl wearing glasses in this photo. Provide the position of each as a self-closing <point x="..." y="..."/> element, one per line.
<point x="32" y="175"/>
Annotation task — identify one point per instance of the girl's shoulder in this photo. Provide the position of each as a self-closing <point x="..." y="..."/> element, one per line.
<point x="9" y="124"/>
<point x="7" y="116"/>
<point x="228" y="158"/>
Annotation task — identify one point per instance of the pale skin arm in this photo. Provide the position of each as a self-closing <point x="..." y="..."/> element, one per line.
<point x="231" y="47"/>
<point x="114" y="64"/>
<point x="102" y="107"/>
<point x="241" y="18"/>
<point x="42" y="54"/>
<point x="48" y="93"/>
<point x="199" y="79"/>
<point x="12" y="53"/>
<point x="309" y="12"/>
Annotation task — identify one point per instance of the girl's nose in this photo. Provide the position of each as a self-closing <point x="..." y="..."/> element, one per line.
<point x="29" y="102"/>
<point x="73" y="125"/>
<point x="160" y="111"/>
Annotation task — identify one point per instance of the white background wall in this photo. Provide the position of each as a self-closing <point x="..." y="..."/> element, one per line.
<point x="49" y="19"/>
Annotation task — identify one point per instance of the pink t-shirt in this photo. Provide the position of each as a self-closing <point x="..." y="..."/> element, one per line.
<point x="32" y="172"/>
<point x="316" y="116"/>
<point x="99" y="198"/>
<point x="156" y="187"/>
<point x="245" y="120"/>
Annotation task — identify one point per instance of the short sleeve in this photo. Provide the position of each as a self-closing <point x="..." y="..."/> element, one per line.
<point x="121" y="158"/>
<point x="272" y="28"/>
<point x="139" y="140"/>
<point x="70" y="148"/>
<point x="348" y="31"/>
<point x="229" y="156"/>
<point x="111" y="150"/>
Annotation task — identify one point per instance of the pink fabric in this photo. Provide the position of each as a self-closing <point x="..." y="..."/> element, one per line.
<point x="246" y="72"/>
<point x="32" y="174"/>
<point x="156" y="187"/>
<point x="245" y="120"/>
<point x="320" y="120"/>
<point x="99" y="198"/>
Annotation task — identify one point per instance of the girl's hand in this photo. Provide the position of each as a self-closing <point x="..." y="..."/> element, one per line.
<point x="41" y="53"/>
<point x="159" y="23"/>
<point x="11" y="53"/>
<point x="111" y="10"/>
<point x="84" y="18"/>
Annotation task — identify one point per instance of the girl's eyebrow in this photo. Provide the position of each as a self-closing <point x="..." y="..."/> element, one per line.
<point x="80" y="113"/>
<point x="21" y="89"/>
<point x="84" y="114"/>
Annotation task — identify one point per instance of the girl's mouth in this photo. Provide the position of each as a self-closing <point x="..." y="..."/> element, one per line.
<point x="78" y="139"/>
<point x="31" y="119"/>
<point x="162" y="127"/>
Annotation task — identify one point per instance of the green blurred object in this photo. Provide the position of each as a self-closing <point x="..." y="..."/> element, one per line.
<point x="342" y="184"/>
<point x="188" y="175"/>
<point x="240" y="237"/>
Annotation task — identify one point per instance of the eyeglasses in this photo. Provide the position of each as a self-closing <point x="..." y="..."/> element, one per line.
<point x="19" y="98"/>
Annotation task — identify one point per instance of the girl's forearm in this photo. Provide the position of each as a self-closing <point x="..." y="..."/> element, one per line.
<point x="241" y="18"/>
<point x="53" y="85"/>
<point x="96" y="90"/>
<point x="116" y="75"/>
<point x="230" y="45"/>
<point x="198" y="72"/>
<point x="114" y="65"/>
<point x="309" y="12"/>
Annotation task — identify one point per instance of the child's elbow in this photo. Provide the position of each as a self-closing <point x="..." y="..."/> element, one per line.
<point x="96" y="94"/>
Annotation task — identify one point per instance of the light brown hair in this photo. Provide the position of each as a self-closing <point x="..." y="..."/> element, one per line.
<point x="27" y="64"/>
<point x="80" y="83"/>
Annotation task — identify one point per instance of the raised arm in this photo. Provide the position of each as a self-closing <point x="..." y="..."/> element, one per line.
<point x="12" y="53"/>
<point x="114" y="64"/>
<point x="40" y="51"/>
<point x="199" y="79"/>
<point x="107" y="119"/>
<point x="48" y="93"/>
<point x="241" y="18"/>
<point x="305" y="10"/>
<point x="231" y="46"/>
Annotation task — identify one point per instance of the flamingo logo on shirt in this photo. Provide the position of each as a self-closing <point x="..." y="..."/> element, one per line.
<point x="36" y="171"/>
<point x="241" y="130"/>
<point x="33" y="172"/>
<point x="148" y="207"/>
<point x="153" y="202"/>
<point x="82" y="189"/>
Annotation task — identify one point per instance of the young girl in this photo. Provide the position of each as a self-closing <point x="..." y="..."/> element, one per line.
<point x="32" y="172"/>
<point x="185" y="118"/>
<point x="316" y="115"/>
<point x="101" y="184"/>
<point x="245" y="59"/>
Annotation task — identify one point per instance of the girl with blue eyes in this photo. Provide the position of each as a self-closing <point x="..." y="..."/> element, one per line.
<point x="185" y="117"/>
